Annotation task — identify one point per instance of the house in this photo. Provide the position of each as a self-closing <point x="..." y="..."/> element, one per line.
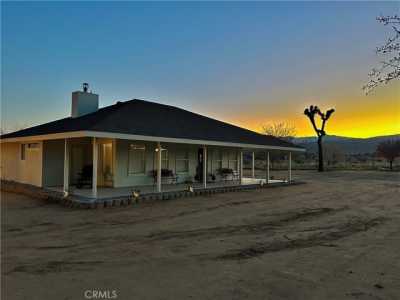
<point x="103" y="152"/>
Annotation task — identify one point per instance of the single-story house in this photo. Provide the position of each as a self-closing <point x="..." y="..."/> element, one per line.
<point x="136" y="144"/>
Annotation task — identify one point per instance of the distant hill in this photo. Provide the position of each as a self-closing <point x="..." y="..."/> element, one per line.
<point x="346" y="144"/>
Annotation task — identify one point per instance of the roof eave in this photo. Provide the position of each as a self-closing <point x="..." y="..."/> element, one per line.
<point x="103" y="134"/>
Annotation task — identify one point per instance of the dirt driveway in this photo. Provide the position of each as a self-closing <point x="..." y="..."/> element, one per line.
<point x="336" y="237"/>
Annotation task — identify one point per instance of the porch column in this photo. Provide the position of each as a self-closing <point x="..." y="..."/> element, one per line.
<point x="267" y="167"/>
<point x="290" y="167"/>
<point x="241" y="167"/>
<point x="205" y="166"/>
<point x="159" y="163"/>
<point x="252" y="165"/>
<point x="95" y="160"/>
<point x="66" y="168"/>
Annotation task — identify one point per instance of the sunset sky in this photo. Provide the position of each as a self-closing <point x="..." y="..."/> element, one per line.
<point x="245" y="63"/>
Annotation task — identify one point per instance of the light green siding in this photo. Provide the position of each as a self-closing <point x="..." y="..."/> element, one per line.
<point x="123" y="178"/>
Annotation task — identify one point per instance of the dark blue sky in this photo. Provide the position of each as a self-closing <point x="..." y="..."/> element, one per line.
<point x="247" y="63"/>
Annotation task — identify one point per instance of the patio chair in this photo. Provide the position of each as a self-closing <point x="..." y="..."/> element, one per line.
<point x="165" y="173"/>
<point x="225" y="173"/>
<point x="211" y="177"/>
<point x="85" y="177"/>
<point x="235" y="175"/>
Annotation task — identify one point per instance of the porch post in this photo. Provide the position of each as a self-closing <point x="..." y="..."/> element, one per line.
<point x="95" y="160"/>
<point x="159" y="162"/>
<point x="290" y="167"/>
<point x="241" y="167"/>
<point x="252" y="165"/>
<point x="205" y="166"/>
<point x="267" y="167"/>
<point x="66" y="168"/>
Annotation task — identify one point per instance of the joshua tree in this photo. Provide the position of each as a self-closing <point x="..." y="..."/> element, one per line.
<point x="390" y="51"/>
<point x="310" y="113"/>
<point x="389" y="150"/>
<point x="281" y="130"/>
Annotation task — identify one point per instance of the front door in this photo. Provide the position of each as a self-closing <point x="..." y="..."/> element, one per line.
<point x="200" y="162"/>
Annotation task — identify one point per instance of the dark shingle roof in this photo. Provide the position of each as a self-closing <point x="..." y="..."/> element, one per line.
<point x="141" y="117"/>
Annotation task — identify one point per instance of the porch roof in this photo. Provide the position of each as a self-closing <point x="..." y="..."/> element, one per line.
<point x="159" y="122"/>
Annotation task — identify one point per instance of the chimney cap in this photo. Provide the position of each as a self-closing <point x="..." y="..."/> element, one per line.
<point x="85" y="87"/>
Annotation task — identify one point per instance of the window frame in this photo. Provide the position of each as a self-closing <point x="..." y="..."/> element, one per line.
<point x="165" y="159"/>
<point x="22" y="154"/>
<point x="184" y="159"/>
<point x="33" y="146"/>
<point x="233" y="159"/>
<point x="217" y="161"/>
<point x="131" y="149"/>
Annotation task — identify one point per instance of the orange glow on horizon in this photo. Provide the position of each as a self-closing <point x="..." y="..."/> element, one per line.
<point x="359" y="116"/>
<point x="355" y="127"/>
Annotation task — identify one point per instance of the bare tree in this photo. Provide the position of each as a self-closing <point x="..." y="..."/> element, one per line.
<point x="311" y="112"/>
<point x="389" y="150"/>
<point x="389" y="68"/>
<point x="282" y="130"/>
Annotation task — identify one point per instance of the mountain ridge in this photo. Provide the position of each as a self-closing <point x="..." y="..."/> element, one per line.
<point x="348" y="145"/>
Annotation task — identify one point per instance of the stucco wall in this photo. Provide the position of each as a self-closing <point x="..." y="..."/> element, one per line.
<point x="9" y="161"/>
<point x="14" y="168"/>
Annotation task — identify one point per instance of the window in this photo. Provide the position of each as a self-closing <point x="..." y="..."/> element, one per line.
<point x="216" y="157"/>
<point x="136" y="159"/>
<point x="182" y="161"/>
<point x="164" y="159"/>
<point x="33" y="146"/>
<point x="232" y="161"/>
<point x="23" y="151"/>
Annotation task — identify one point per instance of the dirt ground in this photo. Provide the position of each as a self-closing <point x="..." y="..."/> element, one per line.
<point x="335" y="237"/>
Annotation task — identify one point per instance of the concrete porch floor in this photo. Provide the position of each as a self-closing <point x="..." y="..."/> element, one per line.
<point x="109" y="192"/>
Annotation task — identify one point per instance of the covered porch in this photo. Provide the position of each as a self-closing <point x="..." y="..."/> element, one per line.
<point x="107" y="193"/>
<point x="122" y="167"/>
